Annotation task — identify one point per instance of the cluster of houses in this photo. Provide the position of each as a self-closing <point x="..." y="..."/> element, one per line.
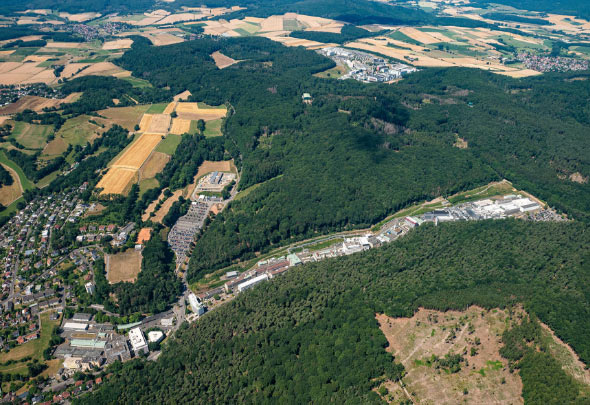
<point x="543" y="63"/>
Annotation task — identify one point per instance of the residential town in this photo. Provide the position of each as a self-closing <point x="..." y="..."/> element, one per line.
<point x="542" y="63"/>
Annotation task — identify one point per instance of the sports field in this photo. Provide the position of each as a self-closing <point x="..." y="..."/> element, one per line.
<point x="123" y="266"/>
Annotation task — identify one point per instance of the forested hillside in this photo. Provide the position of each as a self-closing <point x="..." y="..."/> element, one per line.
<point x="361" y="152"/>
<point x="311" y="335"/>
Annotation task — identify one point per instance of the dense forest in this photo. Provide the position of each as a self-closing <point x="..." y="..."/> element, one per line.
<point x="580" y="8"/>
<point x="5" y="177"/>
<point x="311" y="335"/>
<point x="361" y="152"/>
<point x="156" y="287"/>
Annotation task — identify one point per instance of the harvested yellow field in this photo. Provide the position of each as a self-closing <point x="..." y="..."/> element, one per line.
<point x="419" y="36"/>
<point x="169" y="108"/>
<point x="222" y="61"/>
<point x="3" y="119"/>
<point x="16" y="73"/>
<point x="180" y="126"/>
<point x="192" y="111"/>
<point x="9" y="194"/>
<point x="6" y="53"/>
<point x="138" y="152"/>
<point x="72" y="69"/>
<point x="118" y="44"/>
<point x="103" y="69"/>
<point x="163" y="38"/>
<point x="81" y="17"/>
<point x="520" y="73"/>
<point x="117" y="181"/>
<point x="64" y="45"/>
<point x="272" y="23"/>
<point x="145" y="122"/>
<point x="182" y="96"/>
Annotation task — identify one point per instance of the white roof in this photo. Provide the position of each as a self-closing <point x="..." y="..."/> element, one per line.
<point x="137" y="339"/>
<point x="252" y="281"/>
<point x="76" y="325"/>
<point x="155" y="336"/>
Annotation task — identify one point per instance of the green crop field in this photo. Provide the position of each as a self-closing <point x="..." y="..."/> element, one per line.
<point x="31" y="136"/>
<point x="213" y="128"/>
<point x="169" y="144"/>
<point x="156" y="108"/>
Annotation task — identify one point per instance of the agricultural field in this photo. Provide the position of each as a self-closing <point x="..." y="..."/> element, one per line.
<point x="123" y="267"/>
<point x="75" y="131"/>
<point x="117" y="181"/>
<point x="154" y="165"/>
<point x="125" y="170"/>
<point x="213" y="128"/>
<point x="276" y="27"/>
<point x="31" y="136"/>
<point x="222" y="61"/>
<point x="169" y="144"/>
<point x="36" y="103"/>
<point x="24" y="181"/>
<point x="127" y="117"/>
<point x="9" y="194"/>
<point x="180" y="126"/>
<point x="197" y="111"/>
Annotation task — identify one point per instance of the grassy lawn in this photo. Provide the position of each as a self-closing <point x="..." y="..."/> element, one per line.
<point x="136" y="82"/>
<point x="75" y="131"/>
<point x="400" y="36"/>
<point x="11" y="208"/>
<point x="169" y="144"/>
<point x="244" y="193"/>
<point x="44" y="182"/>
<point x="146" y="184"/>
<point x="31" y="136"/>
<point x="324" y="244"/>
<point x="333" y="73"/>
<point x="26" y="183"/>
<point x="212" y="128"/>
<point x="156" y="108"/>
<point x="211" y="107"/>
<point x="34" y="348"/>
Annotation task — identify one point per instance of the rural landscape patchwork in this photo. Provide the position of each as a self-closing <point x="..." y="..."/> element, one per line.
<point x="295" y="201"/>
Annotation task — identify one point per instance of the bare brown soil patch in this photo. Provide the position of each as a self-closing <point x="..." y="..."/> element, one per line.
<point x="123" y="266"/>
<point x="161" y="213"/>
<point x="577" y="177"/>
<point x="460" y="143"/>
<point x="154" y="165"/>
<point x="415" y="340"/>
<point x="222" y="61"/>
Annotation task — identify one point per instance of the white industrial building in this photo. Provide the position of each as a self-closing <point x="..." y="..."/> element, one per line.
<point x="75" y="326"/>
<point x="137" y="340"/>
<point x="195" y="304"/>
<point x="252" y="282"/>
